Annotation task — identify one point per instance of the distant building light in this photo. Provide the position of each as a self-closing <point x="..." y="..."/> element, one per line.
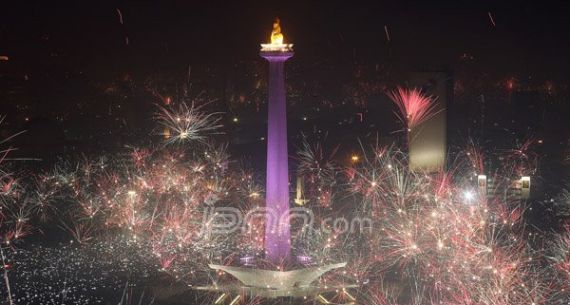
<point x="304" y="259"/>
<point x="247" y="260"/>
<point x="525" y="187"/>
<point x="482" y="183"/>
<point x="166" y="133"/>
<point x="525" y="182"/>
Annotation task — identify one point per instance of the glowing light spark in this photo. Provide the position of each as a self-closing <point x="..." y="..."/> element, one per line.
<point x="468" y="196"/>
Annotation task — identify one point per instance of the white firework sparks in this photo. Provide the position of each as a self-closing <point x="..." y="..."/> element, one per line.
<point x="187" y="123"/>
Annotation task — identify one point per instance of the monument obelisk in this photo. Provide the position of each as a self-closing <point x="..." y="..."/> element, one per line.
<point x="277" y="234"/>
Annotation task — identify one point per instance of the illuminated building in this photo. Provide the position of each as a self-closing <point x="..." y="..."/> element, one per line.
<point x="428" y="141"/>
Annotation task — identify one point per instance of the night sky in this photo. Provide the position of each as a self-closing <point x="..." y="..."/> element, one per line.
<point x="527" y="37"/>
<point x="73" y="65"/>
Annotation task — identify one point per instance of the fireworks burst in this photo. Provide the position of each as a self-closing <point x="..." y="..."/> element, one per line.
<point x="188" y="123"/>
<point x="431" y="239"/>
<point x="414" y="106"/>
<point x="318" y="170"/>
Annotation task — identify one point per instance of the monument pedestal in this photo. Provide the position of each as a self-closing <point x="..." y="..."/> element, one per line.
<point x="272" y="284"/>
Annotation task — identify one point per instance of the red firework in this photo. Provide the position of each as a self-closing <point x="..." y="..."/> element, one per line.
<point x="414" y="106"/>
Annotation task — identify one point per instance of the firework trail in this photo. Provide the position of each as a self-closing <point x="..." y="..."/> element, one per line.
<point x="491" y="19"/>
<point x="387" y="33"/>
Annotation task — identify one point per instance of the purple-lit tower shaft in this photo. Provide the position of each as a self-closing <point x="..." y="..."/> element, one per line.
<point x="277" y="231"/>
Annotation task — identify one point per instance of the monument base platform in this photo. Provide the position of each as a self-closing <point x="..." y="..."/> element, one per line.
<point x="272" y="284"/>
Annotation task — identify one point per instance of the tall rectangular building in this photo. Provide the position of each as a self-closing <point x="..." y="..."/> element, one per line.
<point x="428" y="142"/>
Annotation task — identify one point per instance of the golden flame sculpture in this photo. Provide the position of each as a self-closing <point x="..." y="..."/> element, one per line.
<point x="276" y="38"/>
